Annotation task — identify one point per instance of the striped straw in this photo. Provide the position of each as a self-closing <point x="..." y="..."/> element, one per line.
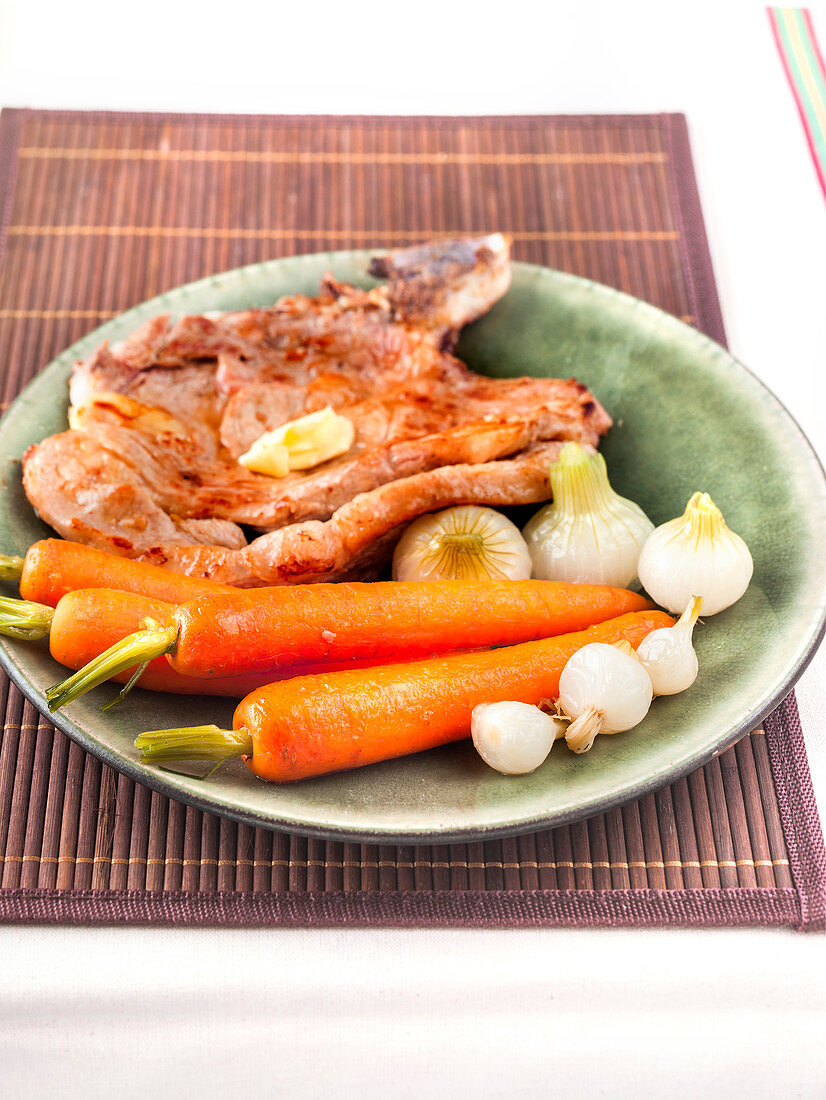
<point x="803" y="63"/>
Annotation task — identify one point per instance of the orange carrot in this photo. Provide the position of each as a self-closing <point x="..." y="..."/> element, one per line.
<point x="87" y="622"/>
<point x="53" y="567"/>
<point x="312" y="725"/>
<point x="277" y="627"/>
<point x="270" y="629"/>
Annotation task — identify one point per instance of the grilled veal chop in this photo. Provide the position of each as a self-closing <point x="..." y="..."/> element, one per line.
<point x="148" y="467"/>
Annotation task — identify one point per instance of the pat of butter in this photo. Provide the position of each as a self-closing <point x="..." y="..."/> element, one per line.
<point x="300" y="444"/>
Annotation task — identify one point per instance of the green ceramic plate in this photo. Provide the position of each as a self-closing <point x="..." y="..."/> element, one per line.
<point x="687" y="417"/>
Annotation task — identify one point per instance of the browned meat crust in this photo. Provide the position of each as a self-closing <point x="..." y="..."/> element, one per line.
<point x="149" y="466"/>
<point x="361" y="535"/>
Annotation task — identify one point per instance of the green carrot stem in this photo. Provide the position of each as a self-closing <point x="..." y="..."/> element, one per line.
<point x="127" y="687"/>
<point x="24" y="620"/>
<point x="11" y="567"/>
<point x="134" y="649"/>
<point x="193" y="743"/>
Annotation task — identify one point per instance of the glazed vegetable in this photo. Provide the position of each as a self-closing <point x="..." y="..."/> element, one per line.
<point x="267" y="629"/>
<point x="668" y="655"/>
<point x="588" y="533"/>
<point x="87" y="622"/>
<point x="312" y="725"/>
<point x="513" y="738"/>
<point x="53" y="567"/>
<point x="465" y="542"/>
<point x="696" y="554"/>
<point x="604" y="689"/>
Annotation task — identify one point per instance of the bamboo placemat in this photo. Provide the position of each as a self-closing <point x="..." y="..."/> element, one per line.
<point x="101" y="211"/>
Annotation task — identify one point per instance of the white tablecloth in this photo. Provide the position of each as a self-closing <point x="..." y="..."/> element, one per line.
<point x="300" y="1013"/>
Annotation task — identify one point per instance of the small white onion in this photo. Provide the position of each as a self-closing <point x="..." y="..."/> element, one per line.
<point x="588" y="534"/>
<point x="696" y="554"/>
<point x="605" y="690"/>
<point x="514" y="738"/>
<point x="465" y="542"/>
<point x="668" y="656"/>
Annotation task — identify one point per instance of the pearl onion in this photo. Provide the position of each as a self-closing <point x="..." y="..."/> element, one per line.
<point x="514" y="738"/>
<point x="604" y="677"/>
<point x="605" y="691"/>
<point x="668" y="656"/>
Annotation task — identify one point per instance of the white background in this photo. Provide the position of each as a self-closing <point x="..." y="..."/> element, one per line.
<point x="208" y="1013"/>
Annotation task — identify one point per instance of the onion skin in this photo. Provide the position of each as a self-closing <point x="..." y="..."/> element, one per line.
<point x="696" y="554"/>
<point x="668" y="655"/>
<point x="671" y="671"/>
<point x="513" y="738"/>
<point x="589" y="534"/>
<point x="466" y="542"/>
<point x="616" y="684"/>
<point x="604" y="690"/>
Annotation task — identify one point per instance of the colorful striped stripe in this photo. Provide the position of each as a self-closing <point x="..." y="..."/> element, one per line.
<point x="803" y="63"/>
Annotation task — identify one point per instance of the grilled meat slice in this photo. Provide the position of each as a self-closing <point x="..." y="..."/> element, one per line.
<point x="135" y="473"/>
<point x="158" y="421"/>
<point x="355" y="542"/>
<point x="446" y="285"/>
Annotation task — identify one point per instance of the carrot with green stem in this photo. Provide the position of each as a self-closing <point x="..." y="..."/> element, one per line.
<point x="86" y="623"/>
<point x="312" y="725"/>
<point x="53" y="567"/>
<point x="271" y="629"/>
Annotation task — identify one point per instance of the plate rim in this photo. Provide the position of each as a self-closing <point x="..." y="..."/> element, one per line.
<point x="154" y="779"/>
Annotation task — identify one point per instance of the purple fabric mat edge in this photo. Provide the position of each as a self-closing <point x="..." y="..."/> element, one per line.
<point x="410" y="909"/>
<point x="804" y="908"/>
<point x="798" y="812"/>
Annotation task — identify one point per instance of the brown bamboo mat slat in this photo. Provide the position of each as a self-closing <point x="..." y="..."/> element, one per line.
<point x="101" y="211"/>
